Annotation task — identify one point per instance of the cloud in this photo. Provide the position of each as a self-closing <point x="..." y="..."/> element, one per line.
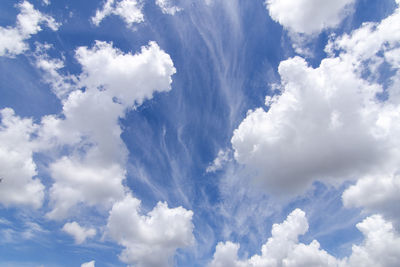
<point x="93" y="171"/>
<point x="167" y="7"/>
<point x="80" y="182"/>
<point x="327" y="123"/>
<point x="61" y="84"/>
<point x="88" y="264"/>
<point x="222" y="158"/>
<point x="319" y="128"/>
<point x="376" y="194"/>
<point x="79" y="233"/>
<point x="149" y="240"/>
<point x="380" y="247"/>
<point x="281" y="249"/>
<point x="368" y="48"/>
<point x="148" y="71"/>
<point x="129" y="10"/>
<point x="18" y="184"/>
<point x="308" y="16"/>
<point x="13" y="39"/>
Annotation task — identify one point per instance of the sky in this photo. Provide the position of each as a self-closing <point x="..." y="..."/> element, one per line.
<point x="158" y="133"/>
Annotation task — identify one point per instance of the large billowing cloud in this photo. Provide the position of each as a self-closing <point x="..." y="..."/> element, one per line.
<point x="327" y="123"/>
<point x="129" y="10"/>
<point x="369" y="47"/>
<point x="18" y="184"/>
<point x="320" y="127"/>
<point x="308" y="16"/>
<point x="29" y="21"/>
<point x="149" y="240"/>
<point x="381" y="247"/>
<point x="93" y="171"/>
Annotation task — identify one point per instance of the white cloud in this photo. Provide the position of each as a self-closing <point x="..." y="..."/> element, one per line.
<point x="308" y="16"/>
<point x="46" y="2"/>
<point x="167" y="7"/>
<point x="129" y="10"/>
<point x="61" y="85"/>
<point x="381" y="247"/>
<point x="79" y="233"/>
<point x="88" y="264"/>
<point x="319" y="128"/>
<point x="17" y="169"/>
<point x="222" y="158"/>
<point x="376" y="194"/>
<point x="13" y="39"/>
<point x="368" y="48"/>
<point x="147" y="72"/>
<point x="328" y="123"/>
<point x="281" y="249"/>
<point x="93" y="172"/>
<point x="149" y="240"/>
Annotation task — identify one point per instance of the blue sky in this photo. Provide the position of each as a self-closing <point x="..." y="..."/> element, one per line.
<point x="199" y="133"/>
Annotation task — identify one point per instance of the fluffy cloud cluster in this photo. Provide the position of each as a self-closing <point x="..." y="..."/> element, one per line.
<point x="79" y="233"/>
<point x="18" y="184"/>
<point x="149" y="240"/>
<point x="87" y="155"/>
<point x="92" y="173"/>
<point x="327" y="123"/>
<point x="129" y="10"/>
<point x="308" y="16"/>
<point x="167" y="7"/>
<point x="381" y="247"/>
<point x="13" y="39"/>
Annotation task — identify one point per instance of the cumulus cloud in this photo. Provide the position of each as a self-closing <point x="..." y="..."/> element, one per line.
<point x="129" y="10"/>
<point x="318" y="128"/>
<point x="148" y="71"/>
<point x="88" y="264"/>
<point x="13" y="39"/>
<point x="327" y="123"/>
<point x="18" y="185"/>
<point x="368" y="48"/>
<point x="167" y="7"/>
<point x="79" y="233"/>
<point x="114" y="82"/>
<point x="308" y="16"/>
<point x="380" y="247"/>
<point x="149" y="240"/>
<point x="281" y="249"/>
<point x="376" y="194"/>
